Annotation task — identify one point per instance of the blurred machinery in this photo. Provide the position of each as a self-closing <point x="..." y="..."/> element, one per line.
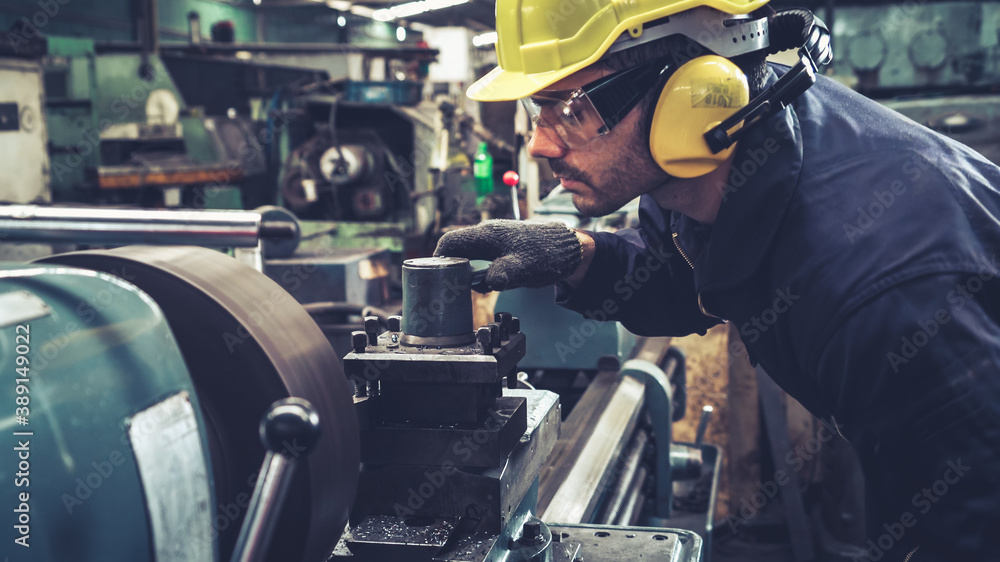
<point x="936" y="62"/>
<point x="120" y="131"/>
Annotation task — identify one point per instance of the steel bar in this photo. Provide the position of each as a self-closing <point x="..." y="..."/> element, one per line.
<point x="83" y="225"/>
<point x="633" y="502"/>
<point x="576" y="499"/>
<point x="619" y="495"/>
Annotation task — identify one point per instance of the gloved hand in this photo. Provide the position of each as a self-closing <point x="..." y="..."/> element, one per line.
<point x="524" y="254"/>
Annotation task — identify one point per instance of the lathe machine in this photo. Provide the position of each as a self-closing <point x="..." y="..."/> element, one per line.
<point x="171" y="403"/>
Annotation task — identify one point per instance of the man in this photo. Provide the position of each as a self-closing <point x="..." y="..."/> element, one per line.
<point x="856" y="250"/>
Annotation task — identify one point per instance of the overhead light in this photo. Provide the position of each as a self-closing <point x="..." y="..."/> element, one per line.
<point x="485" y="39"/>
<point x="341" y="5"/>
<point x="363" y="11"/>
<point x="341" y="21"/>
<point x="401" y="33"/>
<point x="256" y="2"/>
<point x="243" y="55"/>
<point x="413" y="8"/>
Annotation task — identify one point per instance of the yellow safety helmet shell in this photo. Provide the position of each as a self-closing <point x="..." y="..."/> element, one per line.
<point x="697" y="97"/>
<point x="540" y="42"/>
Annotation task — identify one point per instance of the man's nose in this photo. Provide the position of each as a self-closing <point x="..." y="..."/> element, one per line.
<point x="545" y="143"/>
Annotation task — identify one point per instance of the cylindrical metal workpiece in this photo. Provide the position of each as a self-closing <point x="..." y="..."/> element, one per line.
<point x="84" y="225"/>
<point x="437" y="302"/>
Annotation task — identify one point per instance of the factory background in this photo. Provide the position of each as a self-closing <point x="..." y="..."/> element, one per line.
<point x="324" y="144"/>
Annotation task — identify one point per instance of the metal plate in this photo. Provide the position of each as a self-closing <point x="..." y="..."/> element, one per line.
<point x="21" y="306"/>
<point x="600" y="543"/>
<point x="248" y="343"/>
<point x="175" y="480"/>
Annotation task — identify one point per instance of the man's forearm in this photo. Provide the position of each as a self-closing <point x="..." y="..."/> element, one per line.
<point x="587" y="248"/>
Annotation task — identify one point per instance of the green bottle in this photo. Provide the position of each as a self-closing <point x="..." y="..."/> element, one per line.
<point x="482" y="169"/>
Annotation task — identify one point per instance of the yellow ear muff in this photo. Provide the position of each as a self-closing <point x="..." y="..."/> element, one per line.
<point x="700" y="95"/>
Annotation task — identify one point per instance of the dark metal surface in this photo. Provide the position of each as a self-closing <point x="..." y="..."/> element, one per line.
<point x="437" y="301"/>
<point x="486" y="497"/>
<point x="465" y="365"/>
<point x="246" y="344"/>
<point x="409" y="444"/>
<point x="400" y="539"/>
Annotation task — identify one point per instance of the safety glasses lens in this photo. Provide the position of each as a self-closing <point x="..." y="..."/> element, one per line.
<point x="571" y="115"/>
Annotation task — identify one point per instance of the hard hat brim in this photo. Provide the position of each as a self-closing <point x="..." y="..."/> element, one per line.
<point x="504" y="85"/>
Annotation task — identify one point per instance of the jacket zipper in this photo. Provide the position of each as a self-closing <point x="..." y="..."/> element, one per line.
<point x="837" y="427"/>
<point x="681" y="250"/>
<point x="910" y="555"/>
<point x="684" y="255"/>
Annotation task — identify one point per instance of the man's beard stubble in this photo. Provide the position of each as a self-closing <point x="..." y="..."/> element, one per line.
<point x="633" y="173"/>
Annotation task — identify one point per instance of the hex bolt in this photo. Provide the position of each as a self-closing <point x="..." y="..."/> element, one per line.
<point x="485" y="340"/>
<point x="371" y="328"/>
<point x="395" y="323"/>
<point x="503" y="318"/>
<point x="359" y="340"/>
<point x="531" y="533"/>
<point x="515" y="325"/>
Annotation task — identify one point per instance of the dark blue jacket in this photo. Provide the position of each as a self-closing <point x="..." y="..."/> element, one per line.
<point x="858" y="253"/>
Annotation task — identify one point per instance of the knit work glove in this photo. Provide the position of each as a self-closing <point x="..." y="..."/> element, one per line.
<point x="523" y="254"/>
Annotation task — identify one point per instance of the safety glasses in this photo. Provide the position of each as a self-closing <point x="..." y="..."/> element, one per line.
<point x="581" y="115"/>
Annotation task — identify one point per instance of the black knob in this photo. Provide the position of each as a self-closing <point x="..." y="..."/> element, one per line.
<point x="371" y="328"/>
<point x="515" y="325"/>
<point x="395" y="323"/>
<point x="290" y="427"/>
<point x="503" y="318"/>
<point x="359" y="340"/>
<point x="495" y="333"/>
<point x="485" y="340"/>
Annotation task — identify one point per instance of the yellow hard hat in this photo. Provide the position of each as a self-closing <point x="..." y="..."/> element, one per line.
<point x="540" y="42"/>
